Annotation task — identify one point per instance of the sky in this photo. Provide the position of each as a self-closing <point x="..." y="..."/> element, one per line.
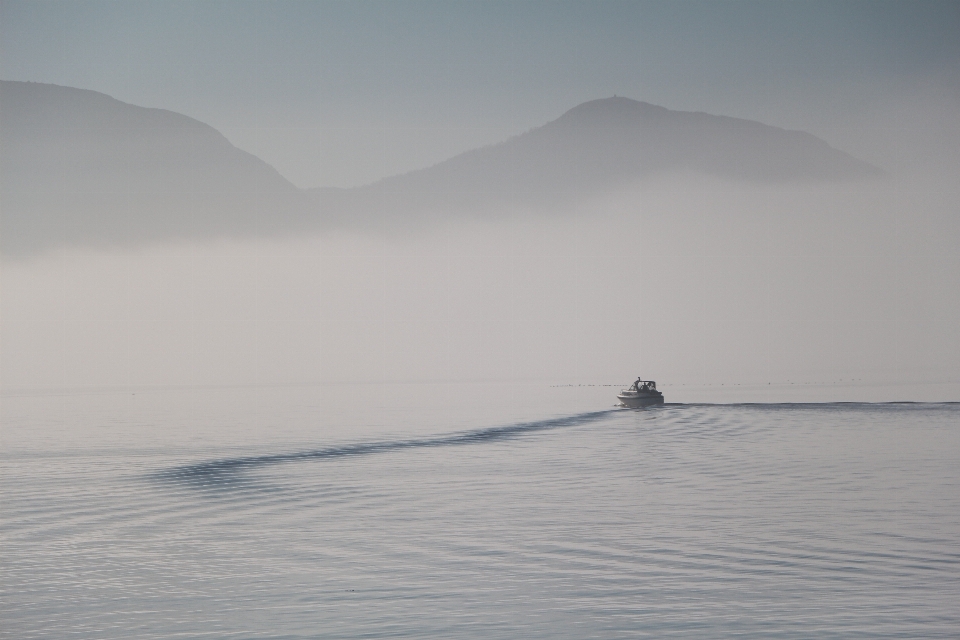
<point x="699" y="282"/>
<point x="345" y="93"/>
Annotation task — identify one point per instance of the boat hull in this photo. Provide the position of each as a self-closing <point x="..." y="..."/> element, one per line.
<point x="640" y="400"/>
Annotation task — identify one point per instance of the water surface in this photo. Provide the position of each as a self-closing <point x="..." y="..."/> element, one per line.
<point x="486" y="511"/>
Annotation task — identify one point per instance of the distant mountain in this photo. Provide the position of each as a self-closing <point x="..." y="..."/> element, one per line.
<point x="79" y="167"/>
<point x="600" y="145"/>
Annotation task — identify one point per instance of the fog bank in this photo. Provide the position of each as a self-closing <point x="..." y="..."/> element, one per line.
<point x="692" y="282"/>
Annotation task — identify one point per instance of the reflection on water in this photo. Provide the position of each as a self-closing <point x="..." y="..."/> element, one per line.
<point x="255" y="514"/>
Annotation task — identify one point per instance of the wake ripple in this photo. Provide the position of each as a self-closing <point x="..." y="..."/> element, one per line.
<point x="225" y="472"/>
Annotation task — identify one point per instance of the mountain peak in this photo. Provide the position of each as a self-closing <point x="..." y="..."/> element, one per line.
<point x="606" y="143"/>
<point x="617" y="110"/>
<point x="79" y="167"/>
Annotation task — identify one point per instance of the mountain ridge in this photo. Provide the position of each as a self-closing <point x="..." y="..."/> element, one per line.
<point x="82" y="168"/>
<point x="596" y="146"/>
<point x="598" y="115"/>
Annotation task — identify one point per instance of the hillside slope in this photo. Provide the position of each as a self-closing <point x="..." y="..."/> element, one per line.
<point x="600" y="145"/>
<point x="79" y="167"/>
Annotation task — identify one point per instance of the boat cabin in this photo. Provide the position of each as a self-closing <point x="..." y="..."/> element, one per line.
<point x="643" y="385"/>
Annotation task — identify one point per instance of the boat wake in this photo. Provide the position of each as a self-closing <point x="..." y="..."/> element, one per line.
<point x="228" y="471"/>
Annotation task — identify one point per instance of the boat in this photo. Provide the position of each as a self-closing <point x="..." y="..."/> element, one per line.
<point x="641" y="393"/>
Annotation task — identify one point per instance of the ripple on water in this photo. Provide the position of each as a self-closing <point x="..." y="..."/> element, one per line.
<point x="746" y="520"/>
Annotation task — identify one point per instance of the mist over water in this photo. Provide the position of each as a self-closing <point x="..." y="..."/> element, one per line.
<point x="690" y="281"/>
<point x="414" y="432"/>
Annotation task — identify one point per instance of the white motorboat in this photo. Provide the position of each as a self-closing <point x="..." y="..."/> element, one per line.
<point x="641" y="393"/>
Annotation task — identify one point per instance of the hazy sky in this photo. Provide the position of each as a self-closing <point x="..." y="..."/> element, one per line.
<point x="343" y="93"/>
<point x="692" y="282"/>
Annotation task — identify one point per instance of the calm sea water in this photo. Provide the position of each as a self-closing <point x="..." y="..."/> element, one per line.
<point x="474" y="511"/>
